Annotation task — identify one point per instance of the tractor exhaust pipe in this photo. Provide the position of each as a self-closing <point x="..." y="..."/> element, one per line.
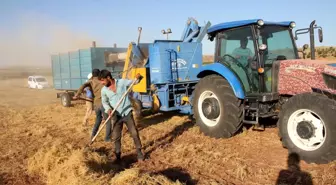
<point x="312" y="41"/>
<point x="311" y="29"/>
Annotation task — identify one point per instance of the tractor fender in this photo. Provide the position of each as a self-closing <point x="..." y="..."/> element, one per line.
<point x="217" y="68"/>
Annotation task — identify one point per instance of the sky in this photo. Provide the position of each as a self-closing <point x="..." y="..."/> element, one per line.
<point x="31" y="30"/>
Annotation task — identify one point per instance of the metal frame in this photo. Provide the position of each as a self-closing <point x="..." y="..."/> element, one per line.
<point x="310" y="30"/>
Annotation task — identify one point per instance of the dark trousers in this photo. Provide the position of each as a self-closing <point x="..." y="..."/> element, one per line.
<point x="100" y="114"/>
<point x="117" y="130"/>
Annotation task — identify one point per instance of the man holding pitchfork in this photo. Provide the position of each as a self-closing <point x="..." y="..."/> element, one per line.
<point x="111" y="94"/>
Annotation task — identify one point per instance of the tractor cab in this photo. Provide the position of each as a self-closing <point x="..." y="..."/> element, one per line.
<point x="249" y="48"/>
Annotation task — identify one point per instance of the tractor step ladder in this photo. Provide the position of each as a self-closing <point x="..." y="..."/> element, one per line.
<point x="171" y="94"/>
<point x="256" y="110"/>
<point x="255" y="123"/>
<point x="173" y="63"/>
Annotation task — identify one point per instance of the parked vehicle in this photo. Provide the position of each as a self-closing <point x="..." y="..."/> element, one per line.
<point x="37" y="82"/>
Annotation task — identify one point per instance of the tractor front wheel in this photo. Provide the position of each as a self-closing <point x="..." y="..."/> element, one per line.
<point x="218" y="112"/>
<point x="306" y="126"/>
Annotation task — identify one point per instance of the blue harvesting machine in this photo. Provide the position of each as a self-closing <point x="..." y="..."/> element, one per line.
<point x="169" y="68"/>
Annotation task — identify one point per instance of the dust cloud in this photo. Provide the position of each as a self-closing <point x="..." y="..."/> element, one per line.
<point x="33" y="37"/>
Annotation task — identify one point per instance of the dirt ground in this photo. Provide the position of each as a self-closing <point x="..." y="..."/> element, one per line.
<point x="44" y="143"/>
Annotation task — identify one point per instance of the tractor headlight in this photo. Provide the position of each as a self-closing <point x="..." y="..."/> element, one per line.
<point x="292" y="24"/>
<point x="260" y="22"/>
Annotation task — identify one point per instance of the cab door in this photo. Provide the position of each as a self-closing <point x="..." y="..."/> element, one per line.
<point x="236" y="50"/>
<point x="279" y="46"/>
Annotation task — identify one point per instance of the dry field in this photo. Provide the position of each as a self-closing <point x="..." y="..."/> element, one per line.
<point x="43" y="143"/>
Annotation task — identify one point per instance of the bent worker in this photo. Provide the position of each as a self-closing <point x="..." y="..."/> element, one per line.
<point x="111" y="93"/>
<point x="96" y="87"/>
<point x="88" y="102"/>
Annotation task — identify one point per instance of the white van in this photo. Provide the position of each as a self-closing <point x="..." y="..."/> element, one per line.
<point x="37" y="82"/>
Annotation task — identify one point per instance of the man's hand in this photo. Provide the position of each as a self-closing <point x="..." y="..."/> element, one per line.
<point x="109" y="112"/>
<point x="138" y="76"/>
<point x="75" y="97"/>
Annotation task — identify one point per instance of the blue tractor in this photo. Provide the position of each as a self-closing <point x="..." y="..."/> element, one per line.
<point x="254" y="60"/>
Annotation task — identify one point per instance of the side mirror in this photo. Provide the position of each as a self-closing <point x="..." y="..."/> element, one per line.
<point x="320" y="34"/>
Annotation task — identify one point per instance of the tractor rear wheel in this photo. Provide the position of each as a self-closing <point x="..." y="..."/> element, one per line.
<point x="217" y="111"/>
<point x="306" y="127"/>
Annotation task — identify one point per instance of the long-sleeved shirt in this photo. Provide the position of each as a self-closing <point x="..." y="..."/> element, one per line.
<point x="110" y="99"/>
<point x="96" y="87"/>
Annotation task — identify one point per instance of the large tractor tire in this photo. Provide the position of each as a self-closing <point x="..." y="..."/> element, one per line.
<point x="307" y="127"/>
<point x="217" y="111"/>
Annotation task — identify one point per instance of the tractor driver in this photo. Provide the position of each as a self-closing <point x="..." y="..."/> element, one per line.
<point x="243" y="54"/>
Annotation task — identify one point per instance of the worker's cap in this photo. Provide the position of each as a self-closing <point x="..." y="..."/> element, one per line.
<point x="89" y="76"/>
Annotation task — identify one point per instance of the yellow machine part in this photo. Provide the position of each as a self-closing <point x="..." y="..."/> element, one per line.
<point x="156" y="104"/>
<point x="185" y="99"/>
<point x="127" y="61"/>
<point x="129" y="72"/>
<point x="142" y="86"/>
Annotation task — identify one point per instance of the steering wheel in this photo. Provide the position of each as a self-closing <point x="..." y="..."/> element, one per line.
<point x="239" y="65"/>
<point x="234" y="59"/>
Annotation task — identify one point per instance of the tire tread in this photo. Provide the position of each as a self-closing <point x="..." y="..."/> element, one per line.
<point x="233" y="113"/>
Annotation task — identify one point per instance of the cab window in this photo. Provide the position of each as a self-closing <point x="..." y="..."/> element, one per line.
<point x="278" y="41"/>
<point x="237" y="52"/>
<point x="280" y="46"/>
<point x="40" y="79"/>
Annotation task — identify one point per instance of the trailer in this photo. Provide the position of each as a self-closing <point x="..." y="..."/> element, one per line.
<point x="70" y="69"/>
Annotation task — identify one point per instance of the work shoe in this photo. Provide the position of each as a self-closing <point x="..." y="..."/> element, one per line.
<point x="141" y="157"/>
